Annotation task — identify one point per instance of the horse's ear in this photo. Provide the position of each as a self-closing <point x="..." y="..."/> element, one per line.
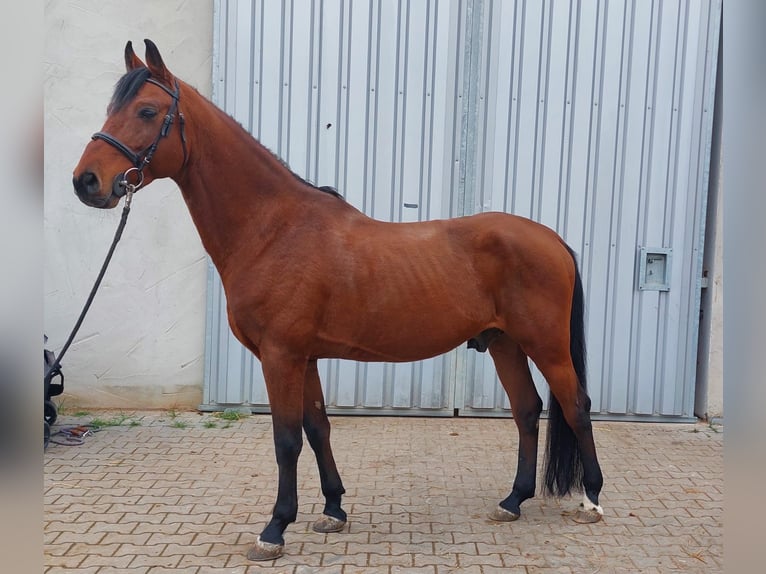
<point x="155" y="63"/>
<point x="131" y="60"/>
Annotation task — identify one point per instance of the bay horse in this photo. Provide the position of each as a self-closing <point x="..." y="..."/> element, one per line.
<point x="307" y="276"/>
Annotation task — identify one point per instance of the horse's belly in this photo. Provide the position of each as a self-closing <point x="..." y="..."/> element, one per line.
<point x="402" y="351"/>
<point x="402" y="337"/>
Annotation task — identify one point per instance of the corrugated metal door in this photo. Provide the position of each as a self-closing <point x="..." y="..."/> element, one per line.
<point x="595" y="118"/>
<point x="361" y="96"/>
<point x="592" y="117"/>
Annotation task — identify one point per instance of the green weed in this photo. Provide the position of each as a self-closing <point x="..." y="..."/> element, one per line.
<point x="115" y="421"/>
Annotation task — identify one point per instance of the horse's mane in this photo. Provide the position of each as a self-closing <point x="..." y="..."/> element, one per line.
<point x="128" y="86"/>
<point x="324" y="188"/>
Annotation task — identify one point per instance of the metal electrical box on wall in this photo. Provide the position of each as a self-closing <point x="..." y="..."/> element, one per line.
<point x="654" y="268"/>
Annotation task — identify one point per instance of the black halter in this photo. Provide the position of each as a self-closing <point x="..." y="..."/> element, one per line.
<point x="141" y="159"/>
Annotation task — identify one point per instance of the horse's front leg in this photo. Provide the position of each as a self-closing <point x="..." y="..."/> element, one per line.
<point x="284" y="375"/>
<point x="317" y="427"/>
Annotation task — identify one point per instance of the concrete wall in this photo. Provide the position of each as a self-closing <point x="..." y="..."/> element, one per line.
<point x="709" y="399"/>
<point x="708" y="403"/>
<point x="142" y="343"/>
<point x="714" y="244"/>
<point x="715" y="355"/>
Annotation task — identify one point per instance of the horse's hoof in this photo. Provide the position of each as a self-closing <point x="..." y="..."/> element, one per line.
<point x="589" y="516"/>
<point x="328" y="524"/>
<point x="265" y="551"/>
<point x="500" y="514"/>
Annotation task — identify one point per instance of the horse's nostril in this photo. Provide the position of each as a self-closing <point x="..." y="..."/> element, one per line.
<point x="86" y="184"/>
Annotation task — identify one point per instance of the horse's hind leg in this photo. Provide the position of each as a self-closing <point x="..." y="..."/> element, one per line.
<point x="571" y="461"/>
<point x="513" y="370"/>
<point x="317" y="427"/>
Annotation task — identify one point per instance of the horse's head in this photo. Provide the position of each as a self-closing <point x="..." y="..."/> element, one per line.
<point x="137" y="143"/>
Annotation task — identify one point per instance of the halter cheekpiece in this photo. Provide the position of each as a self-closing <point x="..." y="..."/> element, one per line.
<point x="141" y="159"/>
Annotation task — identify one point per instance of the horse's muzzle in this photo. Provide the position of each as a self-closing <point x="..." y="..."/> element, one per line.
<point x="88" y="189"/>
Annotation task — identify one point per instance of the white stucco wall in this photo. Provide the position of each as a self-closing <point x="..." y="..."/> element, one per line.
<point x="142" y="344"/>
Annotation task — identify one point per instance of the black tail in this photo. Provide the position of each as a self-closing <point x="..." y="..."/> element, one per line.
<point x="563" y="466"/>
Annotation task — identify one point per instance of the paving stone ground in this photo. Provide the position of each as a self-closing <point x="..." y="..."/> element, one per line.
<point x="165" y="492"/>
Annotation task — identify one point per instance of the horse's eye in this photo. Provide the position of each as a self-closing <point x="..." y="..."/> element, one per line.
<point x="147" y="113"/>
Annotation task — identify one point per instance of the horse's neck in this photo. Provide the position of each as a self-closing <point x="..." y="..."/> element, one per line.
<point x="237" y="192"/>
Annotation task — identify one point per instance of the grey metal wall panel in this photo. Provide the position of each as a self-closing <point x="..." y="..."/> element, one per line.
<point x="592" y="117"/>
<point x="360" y="96"/>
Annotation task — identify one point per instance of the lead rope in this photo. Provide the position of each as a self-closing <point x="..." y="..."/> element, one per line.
<point x="130" y="189"/>
<point x="74" y="435"/>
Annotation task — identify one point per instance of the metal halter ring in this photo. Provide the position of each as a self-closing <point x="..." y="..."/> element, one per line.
<point x="124" y="182"/>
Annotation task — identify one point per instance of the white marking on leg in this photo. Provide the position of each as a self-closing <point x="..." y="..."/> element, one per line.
<point x="588" y="505"/>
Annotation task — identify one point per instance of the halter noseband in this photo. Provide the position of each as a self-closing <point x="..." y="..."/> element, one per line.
<point x="141" y="160"/>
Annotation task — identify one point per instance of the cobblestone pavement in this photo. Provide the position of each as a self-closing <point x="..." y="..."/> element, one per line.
<point x="188" y="492"/>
